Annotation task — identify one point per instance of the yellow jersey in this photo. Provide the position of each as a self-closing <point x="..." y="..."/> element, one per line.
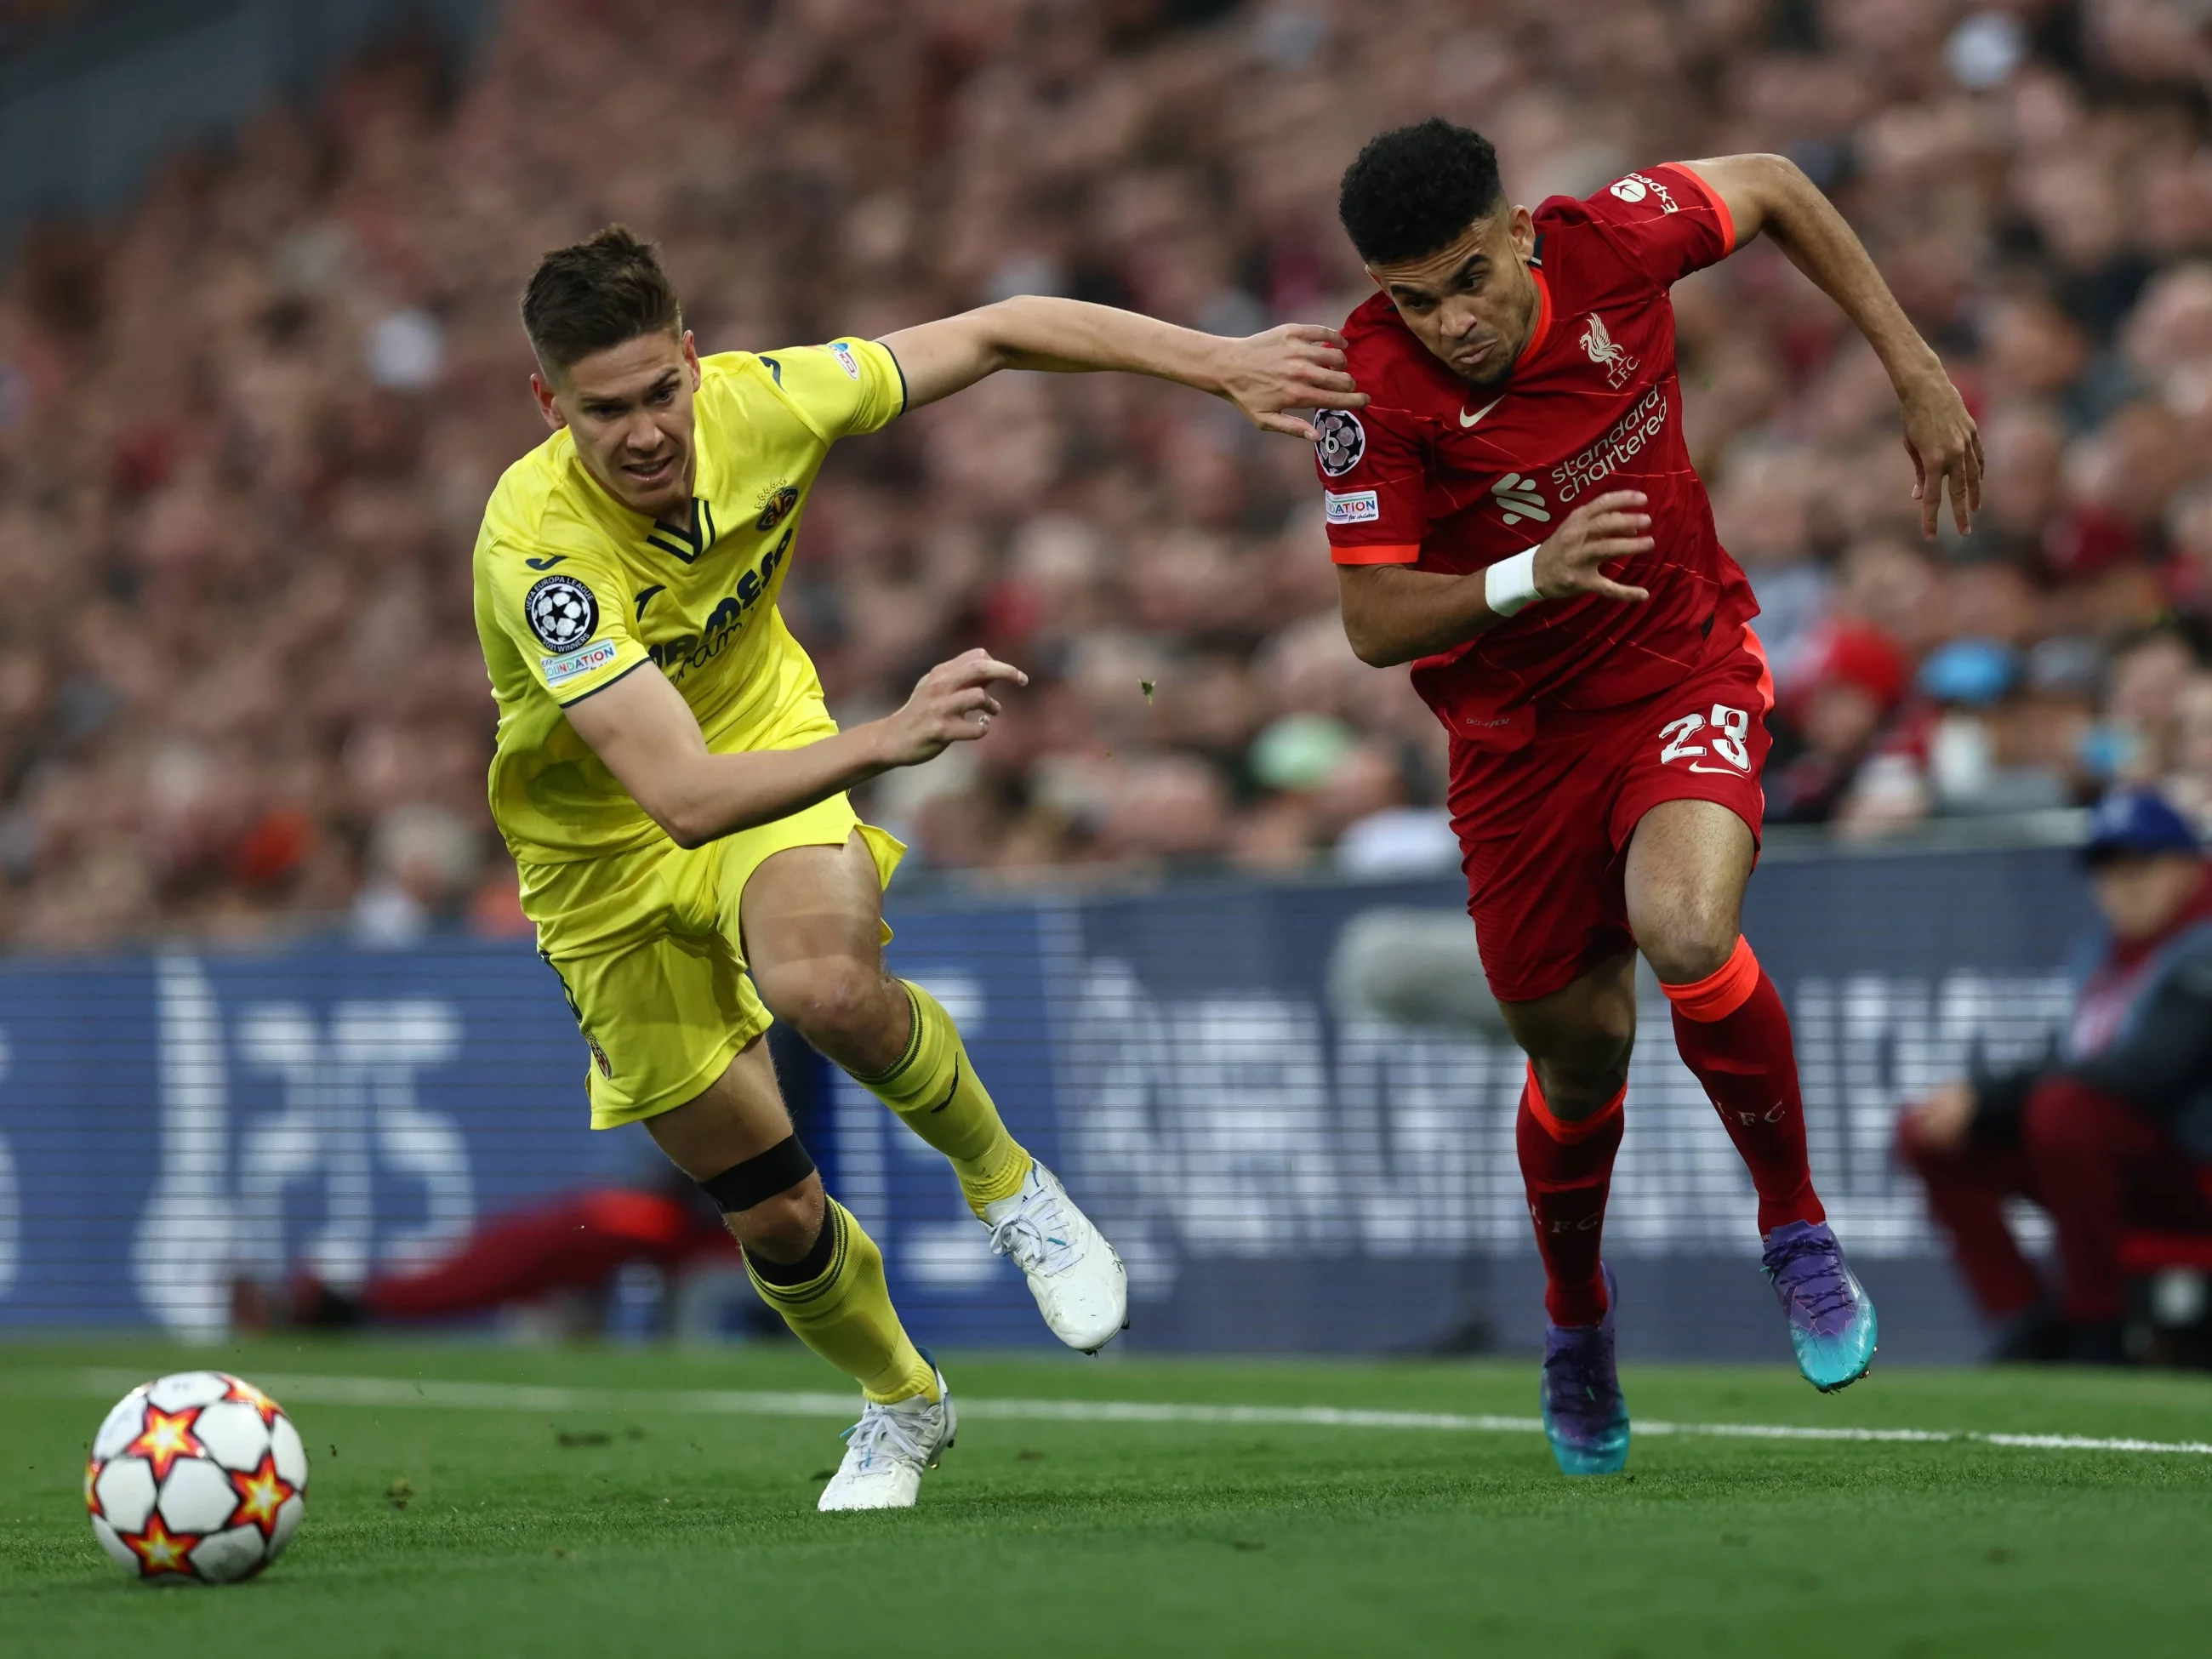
<point x="573" y="590"/>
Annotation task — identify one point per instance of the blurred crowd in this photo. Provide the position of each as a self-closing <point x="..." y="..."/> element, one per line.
<point x="247" y="431"/>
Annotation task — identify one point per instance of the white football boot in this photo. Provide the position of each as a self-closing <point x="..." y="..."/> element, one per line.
<point x="1080" y="1286"/>
<point x="886" y="1451"/>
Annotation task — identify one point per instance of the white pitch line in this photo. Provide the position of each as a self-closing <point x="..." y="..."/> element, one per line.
<point x="430" y="1393"/>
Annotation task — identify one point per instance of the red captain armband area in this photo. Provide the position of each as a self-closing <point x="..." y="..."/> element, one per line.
<point x="1712" y="199"/>
<point x="1719" y="994"/>
<point x="1392" y="553"/>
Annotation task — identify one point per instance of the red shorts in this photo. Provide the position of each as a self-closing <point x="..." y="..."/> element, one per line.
<point x="1543" y="829"/>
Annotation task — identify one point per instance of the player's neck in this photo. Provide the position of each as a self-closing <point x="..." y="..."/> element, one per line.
<point x="1532" y="306"/>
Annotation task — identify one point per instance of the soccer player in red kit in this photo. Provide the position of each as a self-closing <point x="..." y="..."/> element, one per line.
<point x="1515" y="513"/>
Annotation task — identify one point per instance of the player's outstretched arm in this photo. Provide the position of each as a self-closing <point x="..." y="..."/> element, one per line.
<point x="643" y="728"/>
<point x="1771" y="195"/>
<point x="1393" y="614"/>
<point x="1297" y="365"/>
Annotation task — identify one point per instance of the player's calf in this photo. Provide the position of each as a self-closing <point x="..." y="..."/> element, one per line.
<point x="1075" y="1275"/>
<point x="812" y="1262"/>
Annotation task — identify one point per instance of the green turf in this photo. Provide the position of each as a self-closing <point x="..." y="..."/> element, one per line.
<point x="657" y="1532"/>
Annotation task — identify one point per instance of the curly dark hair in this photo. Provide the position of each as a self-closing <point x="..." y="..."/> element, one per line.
<point x="1414" y="190"/>
<point x="596" y="293"/>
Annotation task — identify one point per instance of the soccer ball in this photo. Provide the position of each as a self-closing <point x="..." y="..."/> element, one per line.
<point x="197" y="1476"/>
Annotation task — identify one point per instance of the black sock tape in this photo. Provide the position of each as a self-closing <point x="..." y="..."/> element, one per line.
<point x="757" y="1179"/>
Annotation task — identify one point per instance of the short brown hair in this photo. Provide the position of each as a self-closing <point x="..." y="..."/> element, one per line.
<point x="596" y="293"/>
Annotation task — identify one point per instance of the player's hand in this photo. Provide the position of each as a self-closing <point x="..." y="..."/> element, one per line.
<point x="1945" y="448"/>
<point x="952" y="704"/>
<point x="1298" y="366"/>
<point x="1942" y="1123"/>
<point x="1613" y="526"/>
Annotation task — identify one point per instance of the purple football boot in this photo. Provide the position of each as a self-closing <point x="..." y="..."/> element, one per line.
<point x="1832" y="1322"/>
<point x="1585" y="1419"/>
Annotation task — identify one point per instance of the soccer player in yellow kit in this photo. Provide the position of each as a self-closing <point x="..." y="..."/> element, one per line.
<point x="673" y="789"/>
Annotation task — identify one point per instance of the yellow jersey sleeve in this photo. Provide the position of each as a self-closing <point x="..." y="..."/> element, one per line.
<point x="568" y="618"/>
<point x="845" y="387"/>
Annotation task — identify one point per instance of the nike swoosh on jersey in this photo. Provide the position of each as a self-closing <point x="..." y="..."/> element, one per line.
<point x="545" y="564"/>
<point x="1467" y="419"/>
<point x="1725" y="771"/>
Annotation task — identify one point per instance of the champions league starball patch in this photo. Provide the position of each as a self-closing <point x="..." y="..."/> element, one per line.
<point x="1343" y="441"/>
<point x="562" y="612"/>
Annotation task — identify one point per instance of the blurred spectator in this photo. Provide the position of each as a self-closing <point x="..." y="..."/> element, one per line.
<point x="1843" y="683"/>
<point x="247" y="430"/>
<point x="576" y="1242"/>
<point x="2113" y="1129"/>
<point x="422" y="868"/>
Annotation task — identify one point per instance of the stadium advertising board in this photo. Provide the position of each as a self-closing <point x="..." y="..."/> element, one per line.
<point x="1284" y="1161"/>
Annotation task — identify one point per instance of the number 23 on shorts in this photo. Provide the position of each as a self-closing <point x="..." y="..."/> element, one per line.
<point x="1724" y="728"/>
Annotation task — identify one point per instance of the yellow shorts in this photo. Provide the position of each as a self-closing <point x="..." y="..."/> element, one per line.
<point x="646" y="945"/>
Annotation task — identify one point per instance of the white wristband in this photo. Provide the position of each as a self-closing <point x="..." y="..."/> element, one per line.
<point x="1510" y="585"/>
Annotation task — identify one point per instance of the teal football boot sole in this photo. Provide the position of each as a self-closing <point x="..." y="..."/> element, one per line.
<point x="1830" y="1362"/>
<point x="1585" y="1418"/>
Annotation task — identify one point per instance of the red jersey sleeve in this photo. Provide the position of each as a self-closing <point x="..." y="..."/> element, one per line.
<point x="1667" y="221"/>
<point x="1374" y="485"/>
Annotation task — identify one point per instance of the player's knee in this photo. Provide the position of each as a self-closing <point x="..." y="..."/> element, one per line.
<point x="1597" y="1046"/>
<point x="1689" y="941"/>
<point x="1576" y="1088"/>
<point x="839" y="1004"/>
<point x="1581" y="1078"/>
<point x="782" y="1228"/>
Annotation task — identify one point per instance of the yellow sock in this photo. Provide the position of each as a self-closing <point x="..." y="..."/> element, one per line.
<point x="845" y="1314"/>
<point x="935" y="1092"/>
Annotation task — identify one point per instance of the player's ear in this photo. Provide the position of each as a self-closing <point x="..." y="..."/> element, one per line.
<point x="691" y="358"/>
<point x="542" y="389"/>
<point x="1521" y="231"/>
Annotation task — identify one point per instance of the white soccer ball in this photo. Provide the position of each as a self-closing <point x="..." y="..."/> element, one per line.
<point x="196" y="1477"/>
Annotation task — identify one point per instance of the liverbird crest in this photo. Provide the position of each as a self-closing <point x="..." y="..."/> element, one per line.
<point x="1604" y="351"/>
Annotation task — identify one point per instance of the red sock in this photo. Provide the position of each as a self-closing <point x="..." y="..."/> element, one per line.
<point x="1733" y="1031"/>
<point x="1567" y="1170"/>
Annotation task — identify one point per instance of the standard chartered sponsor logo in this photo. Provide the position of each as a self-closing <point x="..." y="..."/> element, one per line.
<point x="1521" y="499"/>
<point x="1619" y="445"/>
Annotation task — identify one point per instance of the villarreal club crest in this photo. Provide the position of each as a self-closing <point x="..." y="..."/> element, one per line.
<point x="197" y="1478"/>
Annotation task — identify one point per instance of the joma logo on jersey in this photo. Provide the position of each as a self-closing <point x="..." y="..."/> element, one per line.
<point x="1612" y="358"/>
<point x="678" y="656"/>
<point x="1521" y="499"/>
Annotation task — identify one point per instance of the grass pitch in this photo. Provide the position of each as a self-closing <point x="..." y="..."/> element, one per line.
<point x="451" y="1515"/>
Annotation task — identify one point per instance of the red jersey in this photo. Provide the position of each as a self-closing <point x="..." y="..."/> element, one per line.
<point x="1443" y="476"/>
